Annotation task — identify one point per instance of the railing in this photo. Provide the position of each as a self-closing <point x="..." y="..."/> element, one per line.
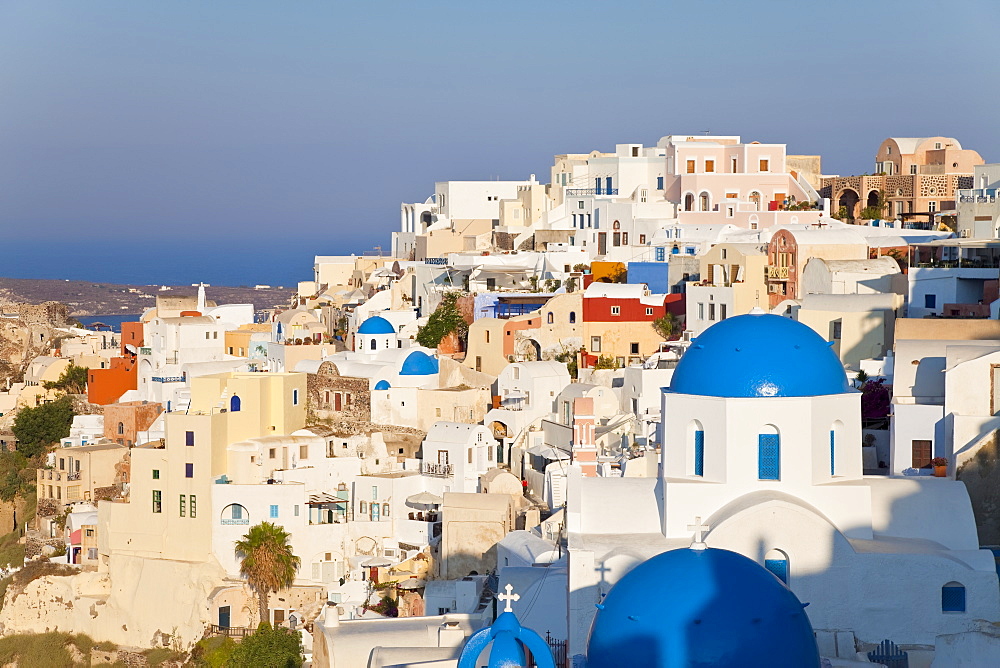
<point x="73" y="476"/>
<point x="230" y="631"/>
<point x="168" y="379"/>
<point x="582" y="192"/>
<point x="442" y="470"/>
<point x="231" y="520"/>
<point x="145" y="351"/>
<point x="959" y="264"/>
<point x="780" y="273"/>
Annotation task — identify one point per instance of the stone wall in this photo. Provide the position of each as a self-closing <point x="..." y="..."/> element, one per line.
<point x="323" y="388"/>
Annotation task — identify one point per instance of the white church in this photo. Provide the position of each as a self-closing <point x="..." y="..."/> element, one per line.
<point x="761" y="441"/>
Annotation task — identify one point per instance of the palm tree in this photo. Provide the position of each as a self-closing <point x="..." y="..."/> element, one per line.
<point x="267" y="561"/>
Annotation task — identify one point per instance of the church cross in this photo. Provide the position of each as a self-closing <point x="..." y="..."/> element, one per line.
<point x="508" y="597"/>
<point x="698" y="528"/>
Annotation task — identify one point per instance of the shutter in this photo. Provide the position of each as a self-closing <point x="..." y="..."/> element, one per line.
<point x="769" y="457"/>
<point x="699" y="453"/>
<point x="953" y="598"/>
<point x="779" y="567"/>
<point x="833" y="452"/>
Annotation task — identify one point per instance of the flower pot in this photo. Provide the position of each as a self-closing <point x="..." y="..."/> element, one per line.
<point x="941" y="471"/>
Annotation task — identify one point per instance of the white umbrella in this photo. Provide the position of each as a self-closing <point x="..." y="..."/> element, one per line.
<point x="377" y="562"/>
<point x="424" y="499"/>
<point x="410" y="583"/>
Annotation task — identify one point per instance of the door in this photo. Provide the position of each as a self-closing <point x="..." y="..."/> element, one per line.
<point x="224" y="616"/>
<point x="607" y="186"/>
<point x="602" y="243"/>
<point x="921" y="454"/>
<point x="336" y="401"/>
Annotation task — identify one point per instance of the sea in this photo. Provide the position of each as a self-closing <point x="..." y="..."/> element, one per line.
<point x="114" y="321"/>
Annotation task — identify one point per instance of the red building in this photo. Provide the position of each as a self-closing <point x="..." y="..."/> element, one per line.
<point x="105" y="386"/>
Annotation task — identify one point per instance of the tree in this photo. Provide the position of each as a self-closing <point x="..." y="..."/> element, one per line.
<point x="39" y="427"/>
<point x="445" y="320"/>
<point x="668" y="326"/>
<point x="267" y="561"/>
<point x="606" y="362"/>
<point x="73" y="380"/>
<point x="268" y="648"/>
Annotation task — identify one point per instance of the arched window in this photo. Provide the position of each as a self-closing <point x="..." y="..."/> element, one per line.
<point x="121" y="427"/>
<point x="550" y="318"/>
<point x="703" y="201"/>
<point x="696" y="437"/>
<point x="234" y="404"/>
<point x="776" y="561"/>
<point x="372" y="344"/>
<point x="689" y="202"/>
<point x="769" y="454"/>
<point x="234" y="513"/>
<point x="953" y="597"/>
<point x="836" y="431"/>
<point x="572" y="317"/>
<point x="616" y="226"/>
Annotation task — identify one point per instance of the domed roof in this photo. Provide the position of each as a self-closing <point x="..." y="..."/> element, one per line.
<point x="376" y="325"/>
<point x="382" y="385"/>
<point x="418" y="363"/>
<point x="759" y="355"/>
<point x="706" y="607"/>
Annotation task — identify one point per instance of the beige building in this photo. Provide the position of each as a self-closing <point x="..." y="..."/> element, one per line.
<point x="84" y="473"/>
<point x="860" y="326"/>
<point x="472" y="525"/>
<point x="732" y="283"/>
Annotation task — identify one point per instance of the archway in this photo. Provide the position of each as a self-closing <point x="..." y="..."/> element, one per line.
<point x="776" y="561"/>
<point x="848" y="200"/>
<point x="704" y="203"/>
<point x="689" y="202"/>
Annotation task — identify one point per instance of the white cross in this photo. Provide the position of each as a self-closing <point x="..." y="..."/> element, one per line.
<point x="508" y="597"/>
<point x="698" y="528"/>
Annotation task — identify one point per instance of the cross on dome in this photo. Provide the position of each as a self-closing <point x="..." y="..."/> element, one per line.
<point x="698" y="528"/>
<point x="509" y="597"/>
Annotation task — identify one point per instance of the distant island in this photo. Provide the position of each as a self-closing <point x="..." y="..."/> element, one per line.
<point x="86" y="298"/>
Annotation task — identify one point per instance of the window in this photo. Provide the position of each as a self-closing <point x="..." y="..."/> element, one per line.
<point x="303" y="452"/>
<point x="193" y="507"/>
<point x="699" y="452"/>
<point x="572" y="317"/>
<point x="189" y="438"/>
<point x="732" y="165"/>
<point x="701" y="311"/>
<point x="62" y="464"/>
<point x="385" y="510"/>
<point x="690" y="166"/>
<point x="295" y="397"/>
<point x="768" y="457"/>
<point x="836" y="329"/>
<point x="156" y="474"/>
<point x="930" y="301"/>
<point x="711" y="311"/>
<point x="937" y="145"/>
<point x="121" y="427"/>
<point x="661" y="254"/>
<point x="833" y="452"/>
<point x="920" y="452"/>
<point x="765" y="165"/>
<point x="777" y="562"/>
<point x="374" y="492"/>
<point x="642" y="239"/>
<point x="273" y="512"/>
<point x="710" y="166"/>
<point x="183" y="504"/>
<point x="487" y="336"/>
<point x="649" y="310"/>
<point x="189" y="470"/>
<point x="722" y="311"/>
<point x="616" y="310"/>
<point x="470" y="455"/>
<point x="271" y="452"/>
<point x="659" y="183"/>
<point x="595" y="344"/>
<point x="295" y="510"/>
<point x="953" y="597"/>
<point x="579" y="204"/>
<point x="207" y="335"/>
<point x="932" y="206"/>
<point x="234" y="404"/>
<point x="550" y="318"/>
<point x="633" y="348"/>
<point x="157" y="501"/>
<point x="363" y="508"/>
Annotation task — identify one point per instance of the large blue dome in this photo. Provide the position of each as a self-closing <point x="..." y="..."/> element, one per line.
<point x="376" y="325"/>
<point x="759" y="355"/>
<point x="418" y="363"/>
<point x="706" y="607"/>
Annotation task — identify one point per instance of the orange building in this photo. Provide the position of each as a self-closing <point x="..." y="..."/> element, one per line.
<point x="124" y="421"/>
<point x="105" y="386"/>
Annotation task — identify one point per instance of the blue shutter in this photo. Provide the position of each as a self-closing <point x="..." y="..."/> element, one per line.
<point x="953" y="598"/>
<point x="833" y="452"/>
<point x="597" y="219"/>
<point x="699" y="453"/>
<point x="768" y="457"/>
<point x="659" y="183"/>
<point x="779" y="567"/>
<point x="597" y="185"/>
<point x="274" y="512"/>
<point x="660" y="254"/>
<point x="607" y="188"/>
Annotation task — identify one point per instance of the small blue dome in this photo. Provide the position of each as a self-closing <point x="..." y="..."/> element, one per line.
<point x="759" y="355"/>
<point x="382" y="385"/>
<point x="376" y="325"/>
<point x="706" y="607"/>
<point x="418" y="363"/>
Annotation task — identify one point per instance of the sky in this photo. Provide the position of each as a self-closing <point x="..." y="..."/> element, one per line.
<point x="150" y="141"/>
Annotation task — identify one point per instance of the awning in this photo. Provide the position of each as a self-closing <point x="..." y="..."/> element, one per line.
<point x="547" y="452"/>
<point x="377" y="562"/>
<point x="323" y="498"/>
<point x="76" y="537"/>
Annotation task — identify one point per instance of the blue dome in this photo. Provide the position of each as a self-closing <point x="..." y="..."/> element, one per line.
<point x="376" y="325"/>
<point x="759" y="355"/>
<point x="382" y="385"/>
<point x="701" y="608"/>
<point x="418" y="363"/>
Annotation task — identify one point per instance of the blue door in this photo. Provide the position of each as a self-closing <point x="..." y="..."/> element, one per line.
<point x="699" y="453"/>
<point x="607" y="186"/>
<point x="597" y="186"/>
<point x="768" y="457"/>
<point x="224" y="617"/>
<point x="779" y="567"/>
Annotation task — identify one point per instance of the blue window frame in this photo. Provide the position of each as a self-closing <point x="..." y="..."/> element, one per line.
<point x="273" y="512"/>
<point x="953" y="598"/>
<point x="833" y="452"/>
<point x="661" y="254"/>
<point x="699" y="453"/>
<point x="659" y="183"/>
<point x="768" y="457"/>
<point x="189" y="470"/>
<point x="779" y="567"/>
<point x="930" y="301"/>
<point x="607" y="185"/>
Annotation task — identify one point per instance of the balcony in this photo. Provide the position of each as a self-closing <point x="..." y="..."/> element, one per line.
<point x="777" y="273"/>
<point x="73" y="476"/>
<point x="168" y="379"/>
<point x="233" y="521"/>
<point x="583" y="192"/>
<point x="145" y="351"/>
<point x="439" y="470"/>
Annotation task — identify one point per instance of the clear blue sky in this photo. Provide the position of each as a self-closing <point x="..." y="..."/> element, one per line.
<point x="278" y="124"/>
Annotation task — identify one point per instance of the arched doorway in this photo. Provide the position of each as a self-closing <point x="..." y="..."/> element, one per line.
<point x="849" y="200"/>
<point x="689" y="202"/>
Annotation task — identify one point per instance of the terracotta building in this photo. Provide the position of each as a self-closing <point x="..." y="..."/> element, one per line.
<point x="123" y="422"/>
<point x="105" y="386"/>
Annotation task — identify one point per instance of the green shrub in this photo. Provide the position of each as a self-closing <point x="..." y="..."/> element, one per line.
<point x="445" y="320"/>
<point x="213" y="652"/>
<point x="268" y="648"/>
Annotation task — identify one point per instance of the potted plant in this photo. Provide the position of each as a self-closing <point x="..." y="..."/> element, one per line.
<point x="940" y="465"/>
